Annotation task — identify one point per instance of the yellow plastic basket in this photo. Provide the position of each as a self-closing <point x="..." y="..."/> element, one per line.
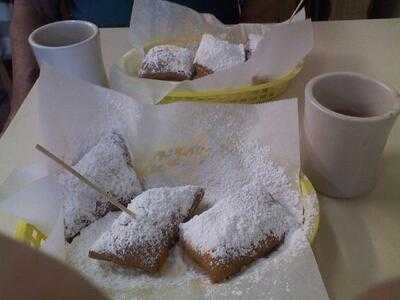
<point x="307" y="190"/>
<point x="29" y="234"/>
<point x="257" y="93"/>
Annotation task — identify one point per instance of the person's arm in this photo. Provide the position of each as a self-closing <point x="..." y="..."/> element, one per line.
<point x="27" y="16"/>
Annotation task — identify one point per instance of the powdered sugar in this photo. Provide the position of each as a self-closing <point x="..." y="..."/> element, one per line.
<point x="217" y="55"/>
<point x="158" y="213"/>
<point x="179" y="276"/>
<point x="120" y="282"/>
<point x="168" y="59"/>
<point x="106" y="164"/>
<point x="233" y="226"/>
<point x="223" y="173"/>
<point x="252" y="43"/>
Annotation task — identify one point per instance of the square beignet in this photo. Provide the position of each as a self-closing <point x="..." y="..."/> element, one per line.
<point x="108" y="165"/>
<point x="235" y="232"/>
<point x="144" y="241"/>
<point x="215" y="55"/>
<point x="251" y="45"/>
<point x="167" y="62"/>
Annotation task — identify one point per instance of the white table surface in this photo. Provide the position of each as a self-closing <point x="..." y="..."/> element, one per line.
<point x="358" y="243"/>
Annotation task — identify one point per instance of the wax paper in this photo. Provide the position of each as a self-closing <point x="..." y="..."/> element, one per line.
<point x="35" y="202"/>
<point x="154" y="22"/>
<point x="74" y="114"/>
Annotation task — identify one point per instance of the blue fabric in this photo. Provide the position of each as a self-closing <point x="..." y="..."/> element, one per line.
<point x="117" y="13"/>
<point x="103" y="13"/>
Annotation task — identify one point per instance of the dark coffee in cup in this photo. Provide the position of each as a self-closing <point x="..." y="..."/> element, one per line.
<point x="354" y="113"/>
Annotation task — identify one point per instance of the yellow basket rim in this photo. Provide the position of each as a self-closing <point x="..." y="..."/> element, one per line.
<point x="242" y="89"/>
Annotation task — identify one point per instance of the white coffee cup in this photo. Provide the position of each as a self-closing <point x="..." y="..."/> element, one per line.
<point x="347" y="120"/>
<point x="72" y="47"/>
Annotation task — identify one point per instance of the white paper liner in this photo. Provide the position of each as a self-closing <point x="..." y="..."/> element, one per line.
<point x="37" y="203"/>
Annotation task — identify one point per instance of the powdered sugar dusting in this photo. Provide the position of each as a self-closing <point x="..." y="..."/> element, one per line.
<point x="107" y="165"/>
<point x="117" y="281"/>
<point x="158" y="213"/>
<point x="217" y="55"/>
<point x="234" y="225"/>
<point x="223" y="173"/>
<point x="252" y="43"/>
<point x="225" y="170"/>
<point x="168" y="59"/>
<point x="180" y="276"/>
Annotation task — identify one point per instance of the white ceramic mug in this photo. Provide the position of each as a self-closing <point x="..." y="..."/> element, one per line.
<point x="72" y="47"/>
<point x="347" y="120"/>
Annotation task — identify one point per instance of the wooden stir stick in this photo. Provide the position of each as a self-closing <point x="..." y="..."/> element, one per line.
<point x="109" y="197"/>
